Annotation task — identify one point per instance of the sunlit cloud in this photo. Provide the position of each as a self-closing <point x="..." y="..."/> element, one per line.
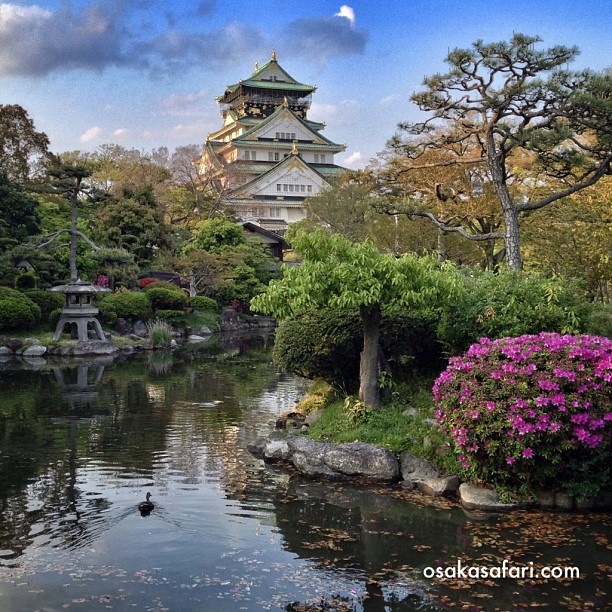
<point x="354" y="160"/>
<point x="346" y="112"/>
<point x="93" y="133"/>
<point x="348" y="12"/>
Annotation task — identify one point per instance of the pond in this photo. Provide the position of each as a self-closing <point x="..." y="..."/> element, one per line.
<point x="82" y="442"/>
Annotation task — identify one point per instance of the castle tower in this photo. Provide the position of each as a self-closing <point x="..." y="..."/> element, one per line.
<point x="268" y="156"/>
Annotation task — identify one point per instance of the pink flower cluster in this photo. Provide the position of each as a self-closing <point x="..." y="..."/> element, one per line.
<point x="524" y="403"/>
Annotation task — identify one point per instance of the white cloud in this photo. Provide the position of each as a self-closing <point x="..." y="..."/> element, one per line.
<point x="345" y="113"/>
<point x="121" y="132"/>
<point x="390" y="100"/>
<point x="348" y="12"/>
<point x="92" y="133"/>
<point x="354" y="160"/>
<point x="184" y="104"/>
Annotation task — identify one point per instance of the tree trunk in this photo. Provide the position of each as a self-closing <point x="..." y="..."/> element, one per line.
<point x="74" y="274"/>
<point x="442" y="250"/>
<point x="498" y="176"/>
<point x="369" y="389"/>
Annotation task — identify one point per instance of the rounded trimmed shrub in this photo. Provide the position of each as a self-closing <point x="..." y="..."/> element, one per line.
<point x="532" y="412"/>
<point x="47" y="301"/>
<point x="16" y="314"/>
<point x="202" y="303"/>
<point x="17" y="310"/>
<point x="129" y="305"/>
<point x="166" y="299"/>
<point x="326" y="344"/>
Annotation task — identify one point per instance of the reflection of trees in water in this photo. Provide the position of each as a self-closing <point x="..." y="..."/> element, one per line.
<point x="188" y="420"/>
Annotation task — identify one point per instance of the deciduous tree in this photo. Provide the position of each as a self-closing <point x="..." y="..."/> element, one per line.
<point x="22" y="148"/>
<point x="342" y="275"/>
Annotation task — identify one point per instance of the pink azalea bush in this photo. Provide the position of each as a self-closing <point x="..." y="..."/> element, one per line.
<point x="531" y="412"/>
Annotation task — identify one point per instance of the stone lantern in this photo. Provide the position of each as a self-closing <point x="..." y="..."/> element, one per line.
<point x="78" y="311"/>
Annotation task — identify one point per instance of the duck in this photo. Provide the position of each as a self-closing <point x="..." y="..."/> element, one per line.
<point x="145" y="507"/>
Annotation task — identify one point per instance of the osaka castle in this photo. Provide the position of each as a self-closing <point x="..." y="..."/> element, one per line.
<point x="268" y="156"/>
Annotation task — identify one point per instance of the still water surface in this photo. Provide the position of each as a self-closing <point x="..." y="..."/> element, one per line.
<point x="82" y="442"/>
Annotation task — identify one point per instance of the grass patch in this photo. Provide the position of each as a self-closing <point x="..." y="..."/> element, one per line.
<point x="394" y="426"/>
<point x="196" y="318"/>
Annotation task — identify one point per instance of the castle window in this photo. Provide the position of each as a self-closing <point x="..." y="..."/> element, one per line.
<point x="278" y="187"/>
<point x="316" y="157"/>
<point x="322" y="158"/>
<point x="309" y="188"/>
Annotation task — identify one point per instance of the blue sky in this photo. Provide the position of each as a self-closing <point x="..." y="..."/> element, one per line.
<point x="145" y="73"/>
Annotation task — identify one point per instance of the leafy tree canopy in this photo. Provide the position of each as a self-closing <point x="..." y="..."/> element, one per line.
<point x="342" y="275"/>
<point x="506" y="103"/>
<point x="22" y="148"/>
<point x="19" y="217"/>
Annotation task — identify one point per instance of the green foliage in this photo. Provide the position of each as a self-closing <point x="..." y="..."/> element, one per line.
<point x="128" y="305"/>
<point x="133" y="222"/>
<point x="342" y="275"/>
<point x="326" y="344"/>
<point x="17" y="311"/>
<point x="19" y="217"/>
<point x="599" y="320"/>
<point x="54" y="317"/>
<point x="160" y="333"/>
<point x="25" y="281"/>
<point x="218" y="235"/>
<point x="116" y="263"/>
<point x="510" y="304"/>
<point x="176" y="318"/>
<point x="203" y="303"/>
<point x="107" y="314"/>
<point x="47" y="301"/>
<point x="166" y="299"/>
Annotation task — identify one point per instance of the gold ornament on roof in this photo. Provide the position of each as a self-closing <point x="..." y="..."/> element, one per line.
<point x="294" y="150"/>
<point x="273" y="55"/>
<point x="256" y="66"/>
<point x="285" y="102"/>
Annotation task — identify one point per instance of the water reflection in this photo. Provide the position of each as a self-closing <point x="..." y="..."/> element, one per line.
<point x="81" y="444"/>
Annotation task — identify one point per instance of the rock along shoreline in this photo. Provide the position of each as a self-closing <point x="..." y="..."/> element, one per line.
<point x="374" y="464"/>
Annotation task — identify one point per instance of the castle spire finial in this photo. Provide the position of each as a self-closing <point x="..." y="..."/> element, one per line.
<point x="273" y="55"/>
<point x="294" y="150"/>
<point x="256" y="66"/>
<point x="285" y="102"/>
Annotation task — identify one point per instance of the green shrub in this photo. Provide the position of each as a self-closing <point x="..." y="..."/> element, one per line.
<point x="511" y="304"/>
<point x="532" y="412"/>
<point x="176" y="318"/>
<point x="54" y="317"/>
<point x="107" y="314"/>
<point x="25" y="281"/>
<point x="129" y="305"/>
<point x="18" y="310"/>
<point x="47" y="301"/>
<point x="599" y="320"/>
<point x="327" y="344"/>
<point x="202" y="303"/>
<point x="166" y="299"/>
<point x="16" y="314"/>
